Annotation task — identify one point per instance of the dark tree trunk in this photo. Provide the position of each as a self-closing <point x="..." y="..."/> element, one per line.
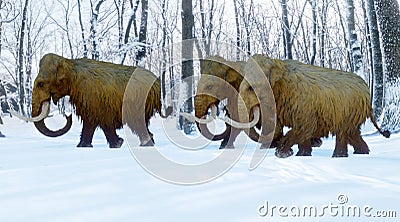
<point x="354" y="44"/>
<point x="131" y="21"/>
<point x="143" y="31"/>
<point x="388" y="14"/>
<point x="287" y="37"/>
<point x="376" y="61"/>
<point x="187" y="62"/>
<point x="85" y="50"/>
<point x="314" y="32"/>
<point x="237" y="29"/>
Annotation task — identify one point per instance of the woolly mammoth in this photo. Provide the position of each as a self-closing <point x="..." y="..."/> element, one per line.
<point x="220" y="80"/>
<point x="313" y="102"/>
<point x="96" y="89"/>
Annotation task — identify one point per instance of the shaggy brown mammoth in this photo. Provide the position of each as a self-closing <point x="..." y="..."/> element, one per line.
<point x="313" y="102"/>
<point x="96" y="89"/>
<point x="221" y="80"/>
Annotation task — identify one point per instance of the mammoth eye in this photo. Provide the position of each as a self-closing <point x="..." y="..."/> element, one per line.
<point x="251" y="88"/>
<point x="41" y="84"/>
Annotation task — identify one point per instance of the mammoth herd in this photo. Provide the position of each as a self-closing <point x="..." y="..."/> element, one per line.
<point x="262" y="95"/>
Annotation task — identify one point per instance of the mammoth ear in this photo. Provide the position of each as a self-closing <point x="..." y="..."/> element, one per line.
<point x="64" y="69"/>
<point x="277" y="70"/>
<point x="233" y="76"/>
<point x="233" y="72"/>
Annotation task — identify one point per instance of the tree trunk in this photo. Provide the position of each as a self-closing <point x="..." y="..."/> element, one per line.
<point x="143" y="31"/>
<point x="21" y="75"/>
<point x="376" y="62"/>
<point x="131" y="21"/>
<point x="1" y="27"/>
<point x="324" y="12"/>
<point x="85" y="50"/>
<point x="28" y="65"/>
<point x="314" y="32"/>
<point x="164" y="50"/>
<point x="93" y="30"/>
<point x="388" y="14"/>
<point x="287" y="37"/>
<point x="237" y="29"/>
<point x="187" y="62"/>
<point x="354" y="44"/>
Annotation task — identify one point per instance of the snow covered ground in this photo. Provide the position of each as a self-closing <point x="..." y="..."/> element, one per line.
<point x="49" y="179"/>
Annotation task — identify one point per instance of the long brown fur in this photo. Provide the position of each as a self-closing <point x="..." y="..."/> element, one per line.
<point x="97" y="89"/>
<point x="316" y="101"/>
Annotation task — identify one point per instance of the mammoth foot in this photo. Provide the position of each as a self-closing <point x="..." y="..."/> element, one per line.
<point x="117" y="144"/>
<point x="281" y="153"/>
<point x="303" y="152"/>
<point x="361" y="152"/>
<point x="84" y="144"/>
<point x="149" y="143"/>
<point x="226" y="145"/>
<point x="340" y="154"/>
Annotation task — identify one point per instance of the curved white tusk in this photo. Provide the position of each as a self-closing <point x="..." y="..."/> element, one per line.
<point x="193" y="119"/>
<point x="238" y="125"/>
<point x="45" y="112"/>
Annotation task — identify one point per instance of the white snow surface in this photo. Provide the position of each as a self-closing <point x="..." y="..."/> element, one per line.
<point x="49" y="179"/>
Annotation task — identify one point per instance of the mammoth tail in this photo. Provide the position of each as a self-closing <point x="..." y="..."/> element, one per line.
<point x="385" y="133"/>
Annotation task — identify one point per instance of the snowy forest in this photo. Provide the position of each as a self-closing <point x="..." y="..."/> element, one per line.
<point x="361" y="36"/>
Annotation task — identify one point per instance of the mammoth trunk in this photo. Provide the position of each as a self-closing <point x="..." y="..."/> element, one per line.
<point x="41" y="110"/>
<point x="201" y="110"/>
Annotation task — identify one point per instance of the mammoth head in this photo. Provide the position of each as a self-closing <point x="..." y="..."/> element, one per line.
<point x="255" y="93"/>
<point x="52" y="83"/>
<point x="220" y="79"/>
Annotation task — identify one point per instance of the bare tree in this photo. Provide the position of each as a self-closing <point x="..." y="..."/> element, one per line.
<point x="287" y="37"/>
<point x="388" y="14"/>
<point x="323" y="18"/>
<point x="5" y="17"/>
<point x="376" y="61"/>
<point x="314" y="30"/>
<point x="131" y="21"/>
<point x="93" y="28"/>
<point x="67" y="9"/>
<point x="238" y="33"/>
<point x="85" y="48"/>
<point x="354" y="44"/>
<point x="143" y="31"/>
<point x="21" y="74"/>
<point x="187" y="63"/>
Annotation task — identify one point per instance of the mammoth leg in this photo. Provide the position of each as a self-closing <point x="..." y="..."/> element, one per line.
<point x="277" y="137"/>
<point x="360" y="146"/>
<point x="113" y="139"/>
<point x="340" y="147"/>
<point x="150" y="134"/>
<point x="305" y="148"/>
<point x="87" y="134"/>
<point x="145" y="136"/>
<point x="227" y="142"/>
<point x="285" y="148"/>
